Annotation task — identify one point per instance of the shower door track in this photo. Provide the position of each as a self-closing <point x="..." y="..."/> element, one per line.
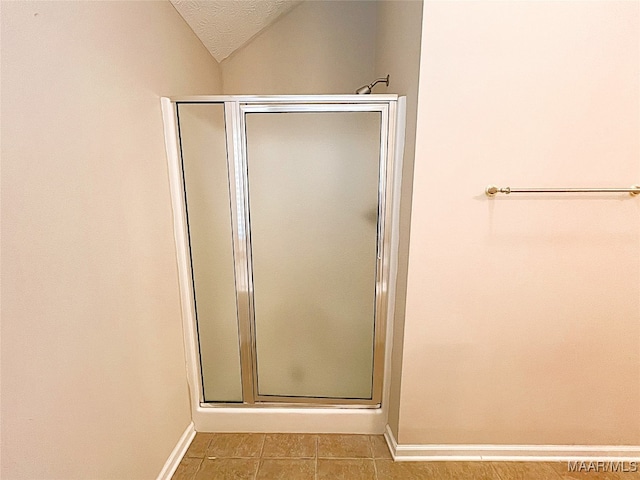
<point x="235" y="109"/>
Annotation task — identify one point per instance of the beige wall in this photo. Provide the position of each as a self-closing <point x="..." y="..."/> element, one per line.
<point x="93" y="376"/>
<point x="319" y="47"/>
<point x="523" y="313"/>
<point x="398" y="37"/>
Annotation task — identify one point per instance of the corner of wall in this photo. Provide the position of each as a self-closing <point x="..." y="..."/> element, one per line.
<point x="398" y="41"/>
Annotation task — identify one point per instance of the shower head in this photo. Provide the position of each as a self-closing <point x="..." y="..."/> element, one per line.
<point x="367" y="88"/>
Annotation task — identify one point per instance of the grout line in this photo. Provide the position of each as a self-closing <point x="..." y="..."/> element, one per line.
<point x="232" y="457"/>
<point x="291" y="457"/>
<point x="264" y="440"/>
<point x="347" y="458"/>
<point x="196" y="472"/>
<point x="206" y="449"/>
<point x="373" y="457"/>
<point x="315" y="474"/>
<point x="209" y="443"/>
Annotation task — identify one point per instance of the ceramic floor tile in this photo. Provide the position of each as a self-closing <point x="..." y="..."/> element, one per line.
<point x="635" y="475"/>
<point x="524" y="470"/>
<point x="345" y="446"/>
<point x="346" y="469"/>
<point x="235" y="445"/>
<point x="390" y="470"/>
<point x="187" y="468"/>
<point x="286" y="469"/>
<point x="274" y="456"/>
<point x="227" y="469"/>
<point x="590" y="471"/>
<point x="289" y="445"/>
<point x="379" y="446"/>
<point x="464" y="471"/>
<point x="199" y="445"/>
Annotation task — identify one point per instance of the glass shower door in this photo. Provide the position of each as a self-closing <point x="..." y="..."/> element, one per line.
<point x="282" y="211"/>
<point x="207" y="197"/>
<point x="313" y="197"/>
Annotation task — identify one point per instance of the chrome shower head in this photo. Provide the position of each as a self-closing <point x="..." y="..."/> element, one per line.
<point x="367" y="88"/>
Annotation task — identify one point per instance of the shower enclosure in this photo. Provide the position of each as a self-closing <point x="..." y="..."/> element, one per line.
<point x="284" y="210"/>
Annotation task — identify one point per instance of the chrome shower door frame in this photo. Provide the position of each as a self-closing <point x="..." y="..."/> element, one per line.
<point x="236" y="108"/>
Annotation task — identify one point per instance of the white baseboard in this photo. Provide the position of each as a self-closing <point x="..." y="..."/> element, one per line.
<point x="177" y="453"/>
<point x="510" y="453"/>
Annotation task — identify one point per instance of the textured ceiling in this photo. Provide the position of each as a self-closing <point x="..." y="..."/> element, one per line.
<point x="223" y="26"/>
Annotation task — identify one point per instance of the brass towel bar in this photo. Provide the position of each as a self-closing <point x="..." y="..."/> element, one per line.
<point x="491" y="190"/>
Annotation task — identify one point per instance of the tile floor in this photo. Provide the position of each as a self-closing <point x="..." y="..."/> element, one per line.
<point x="283" y="456"/>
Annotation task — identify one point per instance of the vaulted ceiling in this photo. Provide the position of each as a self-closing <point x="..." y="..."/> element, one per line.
<point x="223" y="26"/>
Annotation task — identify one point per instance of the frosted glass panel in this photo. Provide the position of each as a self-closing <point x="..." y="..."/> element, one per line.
<point x="204" y="158"/>
<point x="313" y="194"/>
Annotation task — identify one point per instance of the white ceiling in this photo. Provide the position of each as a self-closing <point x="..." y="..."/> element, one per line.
<point x="223" y="26"/>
